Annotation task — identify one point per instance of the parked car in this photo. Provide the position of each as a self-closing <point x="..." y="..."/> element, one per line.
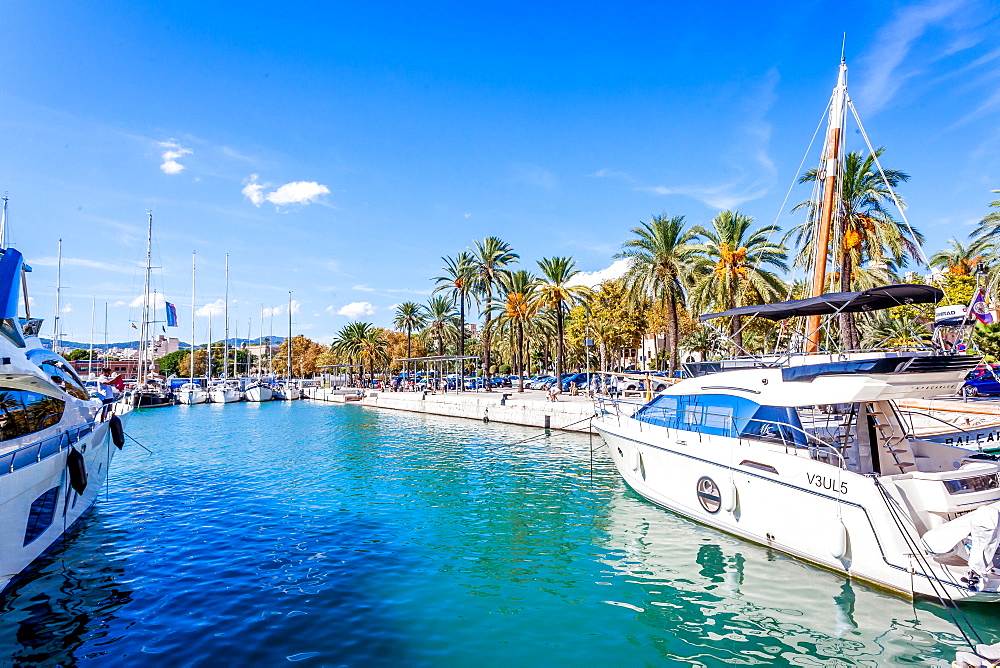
<point x="981" y="380"/>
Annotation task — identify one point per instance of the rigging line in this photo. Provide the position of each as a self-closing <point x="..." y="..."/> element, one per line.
<point x="885" y="180"/>
<point x="932" y="579"/>
<point x="791" y="186"/>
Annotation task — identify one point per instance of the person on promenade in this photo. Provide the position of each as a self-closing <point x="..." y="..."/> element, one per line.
<point x="613" y="387"/>
<point x="554" y="392"/>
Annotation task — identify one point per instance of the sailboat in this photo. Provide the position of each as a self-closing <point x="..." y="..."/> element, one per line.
<point x="56" y="442"/>
<point x="149" y="391"/>
<point x="807" y="453"/>
<point x="259" y="389"/>
<point x="226" y="390"/>
<point x="192" y="392"/>
<point x="291" y="391"/>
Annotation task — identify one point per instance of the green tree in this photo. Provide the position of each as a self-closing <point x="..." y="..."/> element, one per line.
<point x="610" y="319"/>
<point x="440" y="324"/>
<point x="556" y="294"/>
<point x="458" y="282"/>
<point x="729" y="266"/>
<point x="660" y="255"/>
<point x="866" y="234"/>
<point x="78" y="354"/>
<point x="958" y="259"/>
<point x="170" y="363"/>
<point x="409" y="316"/>
<point x="516" y="309"/>
<point x="986" y="236"/>
<point x="491" y="256"/>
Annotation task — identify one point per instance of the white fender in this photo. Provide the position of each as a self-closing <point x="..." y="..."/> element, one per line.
<point x="730" y="496"/>
<point x="635" y="458"/>
<point x="838" y="540"/>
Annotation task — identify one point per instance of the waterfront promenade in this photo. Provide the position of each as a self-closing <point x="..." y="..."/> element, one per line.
<point x="530" y="408"/>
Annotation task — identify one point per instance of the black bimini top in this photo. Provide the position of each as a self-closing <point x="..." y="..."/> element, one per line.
<point x="873" y="299"/>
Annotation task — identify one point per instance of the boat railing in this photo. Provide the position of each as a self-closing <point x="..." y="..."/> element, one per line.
<point x="42" y="449"/>
<point x="911" y="429"/>
<point x="710" y="423"/>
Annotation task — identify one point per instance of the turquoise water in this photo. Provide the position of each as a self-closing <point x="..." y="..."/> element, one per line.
<point x="328" y="535"/>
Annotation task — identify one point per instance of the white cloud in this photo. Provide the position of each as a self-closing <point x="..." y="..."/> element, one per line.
<point x="594" y="278"/>
<point x="218" y="307"/>
<point x="355" y="310"/>
<point x="156" y="300"/>
<point x="363" y="288"/>
<point x="119" y="304"/>
<point x="31" y="301"/>
<point x="296" y="306"/>
<point x="66" y="309"/>
<point x="273" y="310"/>
<point x="296" y="192"/>
<point x="170" y="156"/>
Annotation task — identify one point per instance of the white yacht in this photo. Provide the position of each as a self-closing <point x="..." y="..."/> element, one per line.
<point x="225" y="392"/>
<point x="808" y="454"/>
<point x="56" y="443"/>
<point x="191" y="393"/>
<point x="258" y="391"/>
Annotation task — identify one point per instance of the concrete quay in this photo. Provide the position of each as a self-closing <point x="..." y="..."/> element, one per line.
<point x="510" y="407"/>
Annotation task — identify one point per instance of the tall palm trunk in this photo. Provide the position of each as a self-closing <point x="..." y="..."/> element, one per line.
<point x="560" y="361"/>
<point x="520" y="357"/>
<point x="486" y="340"/>
<point x="673" y="325"/>
<point x="409" y="335"/>
<point x="848" y="325"/>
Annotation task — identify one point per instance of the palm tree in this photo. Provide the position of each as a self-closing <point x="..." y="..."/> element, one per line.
<point x="409" y="316"/>
<point x="516" y="309"/>
<point x="457" y="281"/>
<point x="729" y="263"/>
<point x="556" y="294"/>
<point x="349" y="342"/>
<point x="490" y="257"/>
<point x="659" y="258"/>
<point x="374" y="349"/>
<point x="865" y="232"/>
<point x="987" y="233"/>
<point x="440" y="323"/>
<point x="960" y="260"/>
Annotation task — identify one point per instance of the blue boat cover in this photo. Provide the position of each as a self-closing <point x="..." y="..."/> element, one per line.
<point x="10" y="282"/>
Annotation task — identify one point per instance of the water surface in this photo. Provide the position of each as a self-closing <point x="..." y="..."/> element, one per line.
<point x="328" y="535"/>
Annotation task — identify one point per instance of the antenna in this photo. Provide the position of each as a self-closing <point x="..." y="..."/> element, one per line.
<point x="843" y="44"/>
<point x="3" y="223"/>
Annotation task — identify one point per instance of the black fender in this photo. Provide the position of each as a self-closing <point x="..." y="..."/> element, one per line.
<point x="117" y="430"/>
<point x="77" y="470"/>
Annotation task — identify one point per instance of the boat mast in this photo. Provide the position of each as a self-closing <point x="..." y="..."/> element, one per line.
<point x="260" y="340"/>
<point x="830" y="173"/>
<point x="225" y="345"/>
<point x="3" y="223"/>
<point x="55" y="320"/>
<point x="289" y="336"/>
<point x="208" y="370"/>
<point x="249" y="334"/>
<point x="90" y="358"/>
<point x="194" y="255"/>
<point x="144" y="330"/>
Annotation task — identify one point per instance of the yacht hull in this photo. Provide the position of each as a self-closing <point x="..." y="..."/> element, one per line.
<point x="226" y="396"/>
<point x="40" y="493"/>
<point x="192" y="397"/>
<point x="805" y="508"/>
<point x="259" y="393"/>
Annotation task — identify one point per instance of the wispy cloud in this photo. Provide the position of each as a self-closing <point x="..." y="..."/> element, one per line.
<point x="894" y="41"/>
<point x="611" y="174"/>
<point x="749" y="158"/>
<point x="218" y="307"/>
<point x="363" y="288"/>
<point x="594" y="278"/>
<point x="83" y="262"/>
<point x="355" y="310"/>
<point x="156" y="300"/>
<point x="296" y="192"/>
<point x="170" y="156"/>
<point x="535" y="175"/>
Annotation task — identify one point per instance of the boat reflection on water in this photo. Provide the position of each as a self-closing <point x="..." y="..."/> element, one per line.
<point x="747" y="604"/>
<point x="67" y="601"/>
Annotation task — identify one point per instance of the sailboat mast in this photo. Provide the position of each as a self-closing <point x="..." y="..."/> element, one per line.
<point x="289" y="335"/>
<point x="260" y="340"/>
<point x="3" y="224"/>
<point x="55" y="320"/>
<point x="225" y="345"/>
<point x="90" y="357"/>
<point x="144" y="330"/>
<point x="194" y="255"/>
<point x="831" y="169"/>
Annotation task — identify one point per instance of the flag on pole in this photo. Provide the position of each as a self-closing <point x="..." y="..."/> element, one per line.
<point x="133" y="326"/>
<point x="171" y="315"/>
<point x="980" y="309"/>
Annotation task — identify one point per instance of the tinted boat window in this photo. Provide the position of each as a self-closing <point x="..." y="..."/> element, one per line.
<point x="723" y="415"/>
<point x="43" y="509"/>
<point x="23" y="412"/>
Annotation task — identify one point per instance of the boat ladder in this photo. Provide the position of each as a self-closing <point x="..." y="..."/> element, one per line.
<point x="891" y="437"/>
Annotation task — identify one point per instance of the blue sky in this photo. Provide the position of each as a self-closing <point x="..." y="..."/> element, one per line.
<point x="338" y="150"/>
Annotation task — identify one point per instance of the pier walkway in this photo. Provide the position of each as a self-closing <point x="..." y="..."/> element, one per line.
<point x="529" y="409"/>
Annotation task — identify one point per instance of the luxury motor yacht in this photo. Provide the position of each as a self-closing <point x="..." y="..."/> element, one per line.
<point x="56" y="443"/>
<point x="225" y="392"/>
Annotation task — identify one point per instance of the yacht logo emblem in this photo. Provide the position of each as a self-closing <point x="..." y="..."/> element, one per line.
<point x="708" y="495"/>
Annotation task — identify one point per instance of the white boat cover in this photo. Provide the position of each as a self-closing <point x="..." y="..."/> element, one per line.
<point x="981" y="526"/>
